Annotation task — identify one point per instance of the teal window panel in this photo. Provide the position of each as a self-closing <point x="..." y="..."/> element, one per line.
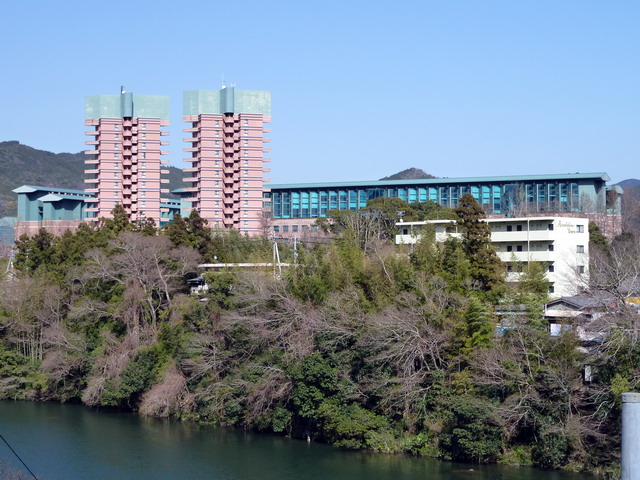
<point x="444" y="196"/>
<point x="402" y="194"/>
<point x="475" y="192"/>
<point x="295" y="204"/>
<point x="422" y="195"/>
<point x="353" y="199"/>
<point x="453" y="196"/>
<point x="486" y="195"/>
<point x="413" y="195"/>
<point x="304" y="205"/>
<point x="324" y="203"/>
<point x="286" y="205"/>
<point x="333" y="200"/>
<point x="342" y="195"/>
<point x="315" y="207"/>
<point x="363" y="198"/>
<point x="497" y="199"/>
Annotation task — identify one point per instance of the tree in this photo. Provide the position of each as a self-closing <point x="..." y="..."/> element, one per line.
<point x="486" y="268"/>
<point x="148" y="268"/>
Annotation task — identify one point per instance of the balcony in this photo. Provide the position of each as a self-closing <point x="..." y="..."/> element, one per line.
<point x="190" y="139"/>
<point x="93" y="133"/>
<point x="91" y="172"/>
<point x="190" y="179"/>
<point x="523" y="236"/>
<point x="535" y="256"/>
<point x="91" y="180"/>
<point x="92" y="161"/>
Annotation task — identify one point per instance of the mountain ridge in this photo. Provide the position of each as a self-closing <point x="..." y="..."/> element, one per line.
<point x="24" y="165"/>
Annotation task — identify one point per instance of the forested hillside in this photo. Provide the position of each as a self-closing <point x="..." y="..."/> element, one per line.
<point x="23" y="165"/>
<point x="361" y="344"/>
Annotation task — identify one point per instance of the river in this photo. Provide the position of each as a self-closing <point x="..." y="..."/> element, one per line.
<point x="72" y="442"/>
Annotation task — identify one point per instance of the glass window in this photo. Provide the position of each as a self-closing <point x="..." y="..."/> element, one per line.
<point x="551" y="268"/>
<point x="580" y="228"/>
<point x="580" y="249"/>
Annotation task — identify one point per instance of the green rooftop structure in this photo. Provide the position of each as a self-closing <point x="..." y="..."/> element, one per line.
<point x="126" y="104"/>
<point x="226" y="100"/>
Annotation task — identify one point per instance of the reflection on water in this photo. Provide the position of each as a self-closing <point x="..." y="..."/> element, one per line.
<point x="74" y="442"/>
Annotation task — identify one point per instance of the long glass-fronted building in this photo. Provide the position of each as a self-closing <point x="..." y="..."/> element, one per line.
<point x="578" y="192"/>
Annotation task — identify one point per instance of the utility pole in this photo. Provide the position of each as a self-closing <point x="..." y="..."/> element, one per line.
<point x="630" y="436"/>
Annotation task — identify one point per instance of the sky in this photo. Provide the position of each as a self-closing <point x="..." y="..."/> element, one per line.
<point x="360" y="89"/>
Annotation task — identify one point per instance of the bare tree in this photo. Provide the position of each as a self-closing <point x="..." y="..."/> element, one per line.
<point x="149" y="268"/>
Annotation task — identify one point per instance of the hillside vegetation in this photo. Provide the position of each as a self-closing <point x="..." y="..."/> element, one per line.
<point x="24" y="165"/>
<point x="360" y="344"/>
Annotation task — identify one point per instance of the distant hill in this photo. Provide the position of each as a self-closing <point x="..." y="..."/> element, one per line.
<point x="24" y="165"/>
<point x="409" y="174"/>
<point x="629" y="182"/>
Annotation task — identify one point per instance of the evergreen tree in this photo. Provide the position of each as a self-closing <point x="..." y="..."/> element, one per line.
<point x="486" y="268"/>
<point x="118" y="222"/>
<point x="597" y="238"/>
<point x="479" y="326"/>
<point x="177" y="231"/>
<point x="34" y="252"/>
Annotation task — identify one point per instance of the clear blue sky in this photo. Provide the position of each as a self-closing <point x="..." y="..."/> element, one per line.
<point x="361" y="89"/>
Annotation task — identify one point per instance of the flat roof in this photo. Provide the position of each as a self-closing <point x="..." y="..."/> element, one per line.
<point x="36" y="188"/>
<point x="434" y="181"/>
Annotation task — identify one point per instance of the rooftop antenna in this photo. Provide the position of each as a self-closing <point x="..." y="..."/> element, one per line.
<point x="122" y="90"/>
<point x="223" y="84"/>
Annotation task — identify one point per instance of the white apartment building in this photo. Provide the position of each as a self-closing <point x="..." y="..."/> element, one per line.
<point x="561" y="243"/>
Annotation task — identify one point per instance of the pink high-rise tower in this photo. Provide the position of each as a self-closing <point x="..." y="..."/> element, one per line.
<point x="125" y="166"/>
<point x="226" y="146"/>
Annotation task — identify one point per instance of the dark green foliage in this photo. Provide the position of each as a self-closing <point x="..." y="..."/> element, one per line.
<point x="34" y="252"/>
<point x="473" y="434"/>
<point x="597" y="238"/>
<point x="486" y="268"/>
<point x="138" y="375"/>
<point x="314" y="381"/>
<point x="550" y="450"/>
<point x="480" y="328"/>
<point x="349" y="426"/>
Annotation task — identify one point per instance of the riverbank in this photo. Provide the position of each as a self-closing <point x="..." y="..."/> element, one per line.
<point x="361" y="345"/>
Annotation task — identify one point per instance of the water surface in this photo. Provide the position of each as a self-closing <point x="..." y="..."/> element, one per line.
<point x="65" y="442"/>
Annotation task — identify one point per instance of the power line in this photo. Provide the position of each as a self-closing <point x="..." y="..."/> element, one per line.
<point x="18" y="457"/>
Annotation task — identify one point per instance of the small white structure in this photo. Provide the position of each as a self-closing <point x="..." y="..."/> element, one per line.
<point x="561" y="243"/>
